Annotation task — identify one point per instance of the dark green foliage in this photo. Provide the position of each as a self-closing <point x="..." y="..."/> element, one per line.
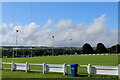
<point x="115" y="49"/>
<point x="101" y="48"/>
<point x="78" y="51"/>
<point x="39" y="51"/>
<point x="87" y="49"/>
<point x="66" y="52"/>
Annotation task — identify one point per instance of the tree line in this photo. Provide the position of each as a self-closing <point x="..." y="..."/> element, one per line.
<point x="85" y="49"/>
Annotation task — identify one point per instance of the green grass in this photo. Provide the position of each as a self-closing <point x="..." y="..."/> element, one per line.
<point x="71" y="59"/>
<point x="79" y="59"/>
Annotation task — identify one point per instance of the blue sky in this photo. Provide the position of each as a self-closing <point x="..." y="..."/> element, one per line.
<point x="83" y="22"/>
<point x="83" y="12"/>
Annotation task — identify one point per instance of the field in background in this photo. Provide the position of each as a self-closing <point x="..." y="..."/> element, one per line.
<point x="70" y="59"/>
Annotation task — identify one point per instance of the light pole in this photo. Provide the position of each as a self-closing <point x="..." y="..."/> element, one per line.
<point x="31" y="21"/>
<point x="52" y="45"/>
<point x="31" y="50"/>
<point x="13" y="32"/>
<point x="13" y="45"/>
<point x="17" y="30"/>
<point x="70" y="46"/>
<point x="116" y="49"/>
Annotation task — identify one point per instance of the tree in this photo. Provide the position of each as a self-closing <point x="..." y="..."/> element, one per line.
<point x="87" y="49"/>
<point x="39" y="52"/>
<point x="78" y="51"/>
<point x="115" y="49"/>
<point x="26" y="52"/>
<point x="101" y="48"/>
<point x="66" y="52"/>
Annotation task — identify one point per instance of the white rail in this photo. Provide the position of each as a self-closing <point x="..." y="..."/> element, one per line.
<point x="62" y="68"/>
<point x="103" y="70"/>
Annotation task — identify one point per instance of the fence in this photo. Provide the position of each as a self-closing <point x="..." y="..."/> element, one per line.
<point x="63" y="68"/>
<point x="26" y="67"/>
<point x="103" y="70"/>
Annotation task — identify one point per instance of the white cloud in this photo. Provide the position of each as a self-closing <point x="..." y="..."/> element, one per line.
<point x="64" y="24"/>
<point x="49" y="22"/>
<point x="98" y="26"/>
<point x="63" y="30"/>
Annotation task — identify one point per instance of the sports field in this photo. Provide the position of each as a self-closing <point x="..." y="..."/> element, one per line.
<point x="70" y="59"/>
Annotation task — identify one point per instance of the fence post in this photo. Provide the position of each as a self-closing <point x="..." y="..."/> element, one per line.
<point x="26" y="67"/>
<point x="119" y="71"/>
<point x="1" y="65"/>
<point x="12" y="66"/>
<point x="89" y="69"/>
<point x="44" y="68"/>
<point x="65" y="69"/>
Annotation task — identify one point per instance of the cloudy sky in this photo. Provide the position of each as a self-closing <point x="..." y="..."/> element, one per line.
<point x="89" y="22"/>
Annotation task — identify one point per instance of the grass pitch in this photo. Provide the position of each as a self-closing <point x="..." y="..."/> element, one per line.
<point x="70" y="59"/>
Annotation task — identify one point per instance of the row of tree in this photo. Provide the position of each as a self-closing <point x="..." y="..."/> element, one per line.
<point x="86" y="49"/>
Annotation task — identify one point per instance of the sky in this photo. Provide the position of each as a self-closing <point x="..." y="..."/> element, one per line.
<point x="83" y="22"/>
